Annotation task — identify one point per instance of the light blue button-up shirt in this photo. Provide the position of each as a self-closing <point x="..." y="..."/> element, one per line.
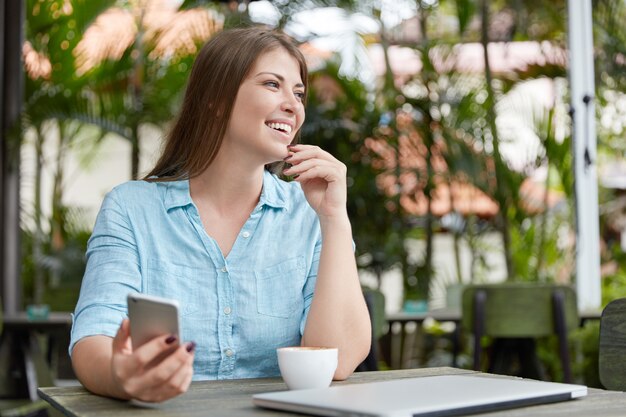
<point x="148" y="238"/>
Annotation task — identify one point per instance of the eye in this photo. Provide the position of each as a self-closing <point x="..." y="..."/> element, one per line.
<point x="300" y="95"/>
<point x="272" y="84"/>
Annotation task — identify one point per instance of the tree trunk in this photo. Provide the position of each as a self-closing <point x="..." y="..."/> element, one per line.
<point x="134" y="153"/>
<point x="544" y="216"/>
<point x="136" y="93"/>
<point x="501" y="192"/>
<point x="428" y="138"/>
<point x="389" y="88"/>
<point x="38" y="278"/>
<point x="456" y="236"/>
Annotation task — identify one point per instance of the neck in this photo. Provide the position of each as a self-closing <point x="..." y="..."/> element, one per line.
<point x="225" y="185"/>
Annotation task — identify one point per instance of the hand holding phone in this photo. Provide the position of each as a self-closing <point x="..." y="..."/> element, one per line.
<point x="151" y="317"/>
<point x="159" y="366"/>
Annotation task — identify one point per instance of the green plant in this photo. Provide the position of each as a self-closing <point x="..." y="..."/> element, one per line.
<point x="53" y="101"/>
<point x="76" y="95"/>
<point x="339" y="119"/>
<point x="585" y="342"/>
<point x="60" y="264"/>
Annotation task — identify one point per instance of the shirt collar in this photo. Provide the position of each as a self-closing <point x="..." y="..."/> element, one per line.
<point x="273" y="195"/>
<point x="177" y="194"/>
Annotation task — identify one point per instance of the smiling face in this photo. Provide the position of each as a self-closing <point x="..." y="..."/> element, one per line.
<point x="268" y="109"/>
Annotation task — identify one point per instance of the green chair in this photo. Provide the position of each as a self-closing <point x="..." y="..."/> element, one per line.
<point x="612" y="350"/>
<point x="514" y="315"/>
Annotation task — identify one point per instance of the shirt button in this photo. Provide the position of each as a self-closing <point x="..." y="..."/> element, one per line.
<point x="227" y="310"/>
<point x="229" y="352"/>
<point x="224" y="269"/>
<point x="246" y="234"/>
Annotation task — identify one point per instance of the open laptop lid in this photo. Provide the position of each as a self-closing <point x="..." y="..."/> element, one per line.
<point x="445" y="395"/>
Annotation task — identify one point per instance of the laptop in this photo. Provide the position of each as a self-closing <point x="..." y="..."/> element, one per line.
<point x="443" y="395"/>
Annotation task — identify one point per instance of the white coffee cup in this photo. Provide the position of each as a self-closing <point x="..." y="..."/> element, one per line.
<point x="305" y="367"/>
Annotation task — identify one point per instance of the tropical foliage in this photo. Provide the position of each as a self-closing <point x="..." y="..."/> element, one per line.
<point x="85" y="81"/>
<point x="410" y="140"/>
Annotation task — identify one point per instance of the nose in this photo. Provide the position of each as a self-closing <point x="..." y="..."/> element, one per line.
<point x="286" y="106"/>
<point x="289" y="103"/>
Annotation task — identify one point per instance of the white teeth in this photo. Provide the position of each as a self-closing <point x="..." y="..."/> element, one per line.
<point x="280" y="126"/>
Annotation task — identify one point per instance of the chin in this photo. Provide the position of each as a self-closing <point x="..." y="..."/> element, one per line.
<point x="281" y="153"/>
<point x="271" y="159"/>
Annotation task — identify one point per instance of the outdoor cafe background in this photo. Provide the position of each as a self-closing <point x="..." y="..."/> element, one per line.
<point x="452" y="116"/>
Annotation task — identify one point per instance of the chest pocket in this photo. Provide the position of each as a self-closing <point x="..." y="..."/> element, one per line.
<point x="279" y="288"/>
<point x="186" y="284"/>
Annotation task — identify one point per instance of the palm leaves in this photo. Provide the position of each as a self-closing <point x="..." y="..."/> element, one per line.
<point x="79" y="75"/>
<point x="133" y="78"/>
<point x="448" y="115"/>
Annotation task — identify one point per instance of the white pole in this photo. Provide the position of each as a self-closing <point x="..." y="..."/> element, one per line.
<point x="581" y="75"/>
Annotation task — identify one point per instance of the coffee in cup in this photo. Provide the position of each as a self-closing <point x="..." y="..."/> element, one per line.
<point x="304" y="367"/>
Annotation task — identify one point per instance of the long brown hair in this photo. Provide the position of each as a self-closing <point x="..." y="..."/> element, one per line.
<point x="219" y="69"/>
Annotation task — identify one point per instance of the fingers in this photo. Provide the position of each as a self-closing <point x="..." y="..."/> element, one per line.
<point x="120" y="341"/>
<point x="173" y="376"/>
<point x="155" y="348"/>
<point x="182" y="378"/>
<point x="164" y="372"/>
<point x="165" y="380"/>
<point x="298" y="153"/>
<point x="156" y="371"/>
<point x="315" y="168"/>
<point x="308" y="162"/>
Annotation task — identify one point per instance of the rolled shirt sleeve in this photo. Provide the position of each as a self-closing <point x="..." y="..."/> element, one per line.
<point x="112" y="272"/>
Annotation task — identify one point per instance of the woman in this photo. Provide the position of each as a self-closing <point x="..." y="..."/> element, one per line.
<point x="255" y="262"/>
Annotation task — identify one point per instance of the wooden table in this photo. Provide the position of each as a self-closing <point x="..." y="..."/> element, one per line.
<point x="233" y="398"/>
<point x="54" y="321"/>
<point x="30" y="362"/>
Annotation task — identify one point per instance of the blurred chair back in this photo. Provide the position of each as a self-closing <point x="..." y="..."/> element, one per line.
<point x="454" y="295"/>
<point x="522" y="311"/>
<point x="612" y="355"/>
<point x="375" y="301"/>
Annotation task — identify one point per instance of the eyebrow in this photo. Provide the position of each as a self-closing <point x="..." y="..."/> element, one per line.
<point x="280" y="77"/>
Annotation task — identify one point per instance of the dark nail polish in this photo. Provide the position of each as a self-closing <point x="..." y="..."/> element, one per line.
<point x="171" y="339"/>
<point x="191" y="346"/>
